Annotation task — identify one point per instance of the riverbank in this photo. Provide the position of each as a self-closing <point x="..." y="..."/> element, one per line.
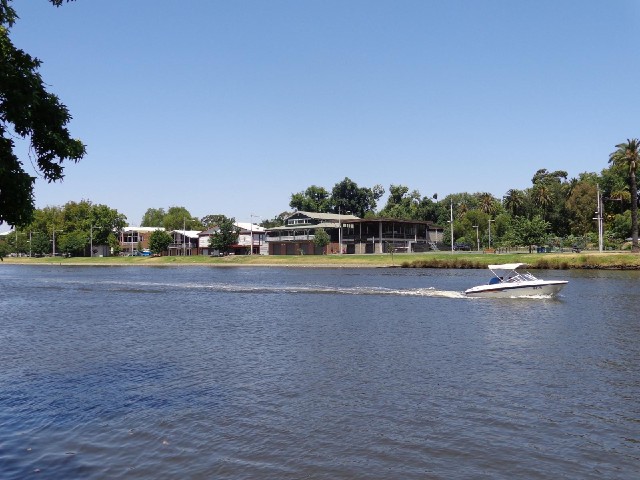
<point x="584" y="260"/>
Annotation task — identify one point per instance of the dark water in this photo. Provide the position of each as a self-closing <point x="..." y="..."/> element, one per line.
<point x="314" y="373"/>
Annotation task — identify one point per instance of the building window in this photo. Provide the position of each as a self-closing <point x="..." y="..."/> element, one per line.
<point x="298" y="221"/>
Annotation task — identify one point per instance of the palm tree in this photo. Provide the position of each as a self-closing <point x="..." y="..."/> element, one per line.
<point x="514" y="201"/>
<point x="487" y="203"/>
<point x="628" y="155"/>
<point x="542" y="198"/>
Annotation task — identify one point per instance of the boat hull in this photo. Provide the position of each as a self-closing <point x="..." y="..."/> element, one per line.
<point x="539" y="288"/>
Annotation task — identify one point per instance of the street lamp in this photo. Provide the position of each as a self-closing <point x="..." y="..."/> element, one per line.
<point x="451" y="222"/>
<point x="251" y="217"/>
<point x="91" y="227"/>
<point x="600" y="219"/>
<point x="490" y="220"/>
<point x="477" y="236"/>
<point x="340" y="228"/>
<point x="54" y="241"/>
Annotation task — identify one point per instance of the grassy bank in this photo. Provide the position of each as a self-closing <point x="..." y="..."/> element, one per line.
<point x="590" y="260"/>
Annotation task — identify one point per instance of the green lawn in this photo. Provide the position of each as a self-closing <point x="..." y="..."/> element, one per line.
<point x="423" y="260"/>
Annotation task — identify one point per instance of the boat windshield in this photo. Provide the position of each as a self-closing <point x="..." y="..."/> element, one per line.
<point x="520" y="277"/>
<point x="511" y="277"/>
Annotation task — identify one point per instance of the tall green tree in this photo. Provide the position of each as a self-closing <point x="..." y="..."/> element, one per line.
<point x="226" y="236"/>
<point x="408" y="205"/>
<point x="313" y="199"/>
<point x="40" y="243"/>
<point x="346" y="196"/>
<point x="276" y="221"/>
<point x="514" y="202"/>
<point x="153" y="217"/>
<point x="4" y="249"/>
<point x="73" y="243"/>
<point x="159" y="241"/>
<point x="530" y="232"/>
<point x="321" y="238"/>
<point x="487" y="203"/>
<point x="548" y="195"/>
<point x="627" y="156"/>
<point x="581" y="206"/>
<point x="29" y="111"/>
<point x="176" y="218"/>
<point x="212" y="220"/>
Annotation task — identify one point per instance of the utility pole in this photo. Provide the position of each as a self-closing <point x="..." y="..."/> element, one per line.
<point x="600" y="219"/>
<point x="451" y="222"/>
<point x="490" y="220"/>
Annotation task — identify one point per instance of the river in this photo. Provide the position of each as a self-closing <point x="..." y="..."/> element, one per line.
<point x="289" y="373"/>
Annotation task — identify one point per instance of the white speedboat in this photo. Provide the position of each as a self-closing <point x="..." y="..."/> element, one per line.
<point x="509" y="282"/>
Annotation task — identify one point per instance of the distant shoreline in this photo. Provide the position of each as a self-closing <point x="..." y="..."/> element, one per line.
<point x="463" y="260"/>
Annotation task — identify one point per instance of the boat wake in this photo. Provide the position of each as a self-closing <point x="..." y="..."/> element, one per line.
<point x="326" y="290"/>
<point x="157" y="287"/>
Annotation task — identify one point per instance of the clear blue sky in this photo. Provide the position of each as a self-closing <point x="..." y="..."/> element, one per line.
<point x="230" y="107"/>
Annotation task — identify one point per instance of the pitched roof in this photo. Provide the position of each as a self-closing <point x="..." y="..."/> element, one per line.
<point x="324" y="216"/>
<point x="141" y="229"/>
<point x="306" y="227"/>
<point x="187" y="233"/>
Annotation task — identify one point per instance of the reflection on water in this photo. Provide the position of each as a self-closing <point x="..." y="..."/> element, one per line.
<point x="320" y="373"/>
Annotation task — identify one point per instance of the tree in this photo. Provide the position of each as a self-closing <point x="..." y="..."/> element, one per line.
<point x="321" y="238"/>
<point x="4" y="249"/>
<point x="530" y="232"/>
<point x="209" y="221"/>
<point x="627" y="156"/>
<point x="153" y="217"/>
<point x="159" y="241"/>
<point x="73" y="242"/>
<point x="581" y="206"/>
<point x="487" y="203"/>
<point x="28" y="110"/>
<point x="548" y="196"/>
<point x="542" y="198"/>
<point x="346" y="196"/>
<point x="40" y="243"/>
<point x="514" y="202"/>
<point x="277" y="221"/>
<point x="313" y="199"/>
<point x="178" y="218"/>
<point x="403" y="204"/>
<point x="226" y="236"/>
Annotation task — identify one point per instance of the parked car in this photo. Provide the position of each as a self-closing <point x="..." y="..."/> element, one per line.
<point x="462" y="246"/>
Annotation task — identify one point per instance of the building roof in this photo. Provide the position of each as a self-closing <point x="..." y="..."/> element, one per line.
<point x="392" y="220"/>
<point x="246" y="226"/>
<point x="187" y="233"/>
<point x="324" y="216"/>
<point x="209" y="231"/>
<point x="305" y="227"/>
<point x="141" y="229"/>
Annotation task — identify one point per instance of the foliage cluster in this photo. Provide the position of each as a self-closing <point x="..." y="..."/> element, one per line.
<point x="28" y="111"/>
<point x="555" y="210"/>
<point x="175" y="218"/>
<point x="75" y="227"/>
<point x="159" y="241"/>
<point x="345" y="197"/>
<point x="225" y="236"/>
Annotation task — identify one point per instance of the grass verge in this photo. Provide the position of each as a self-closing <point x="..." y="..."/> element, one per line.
<point x="588" y="260"/>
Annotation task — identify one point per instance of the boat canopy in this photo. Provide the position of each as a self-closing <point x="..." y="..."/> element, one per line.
<point x="506" y="266"/>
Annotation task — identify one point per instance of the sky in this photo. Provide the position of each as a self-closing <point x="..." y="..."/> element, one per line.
<point x="232" y="106"/>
